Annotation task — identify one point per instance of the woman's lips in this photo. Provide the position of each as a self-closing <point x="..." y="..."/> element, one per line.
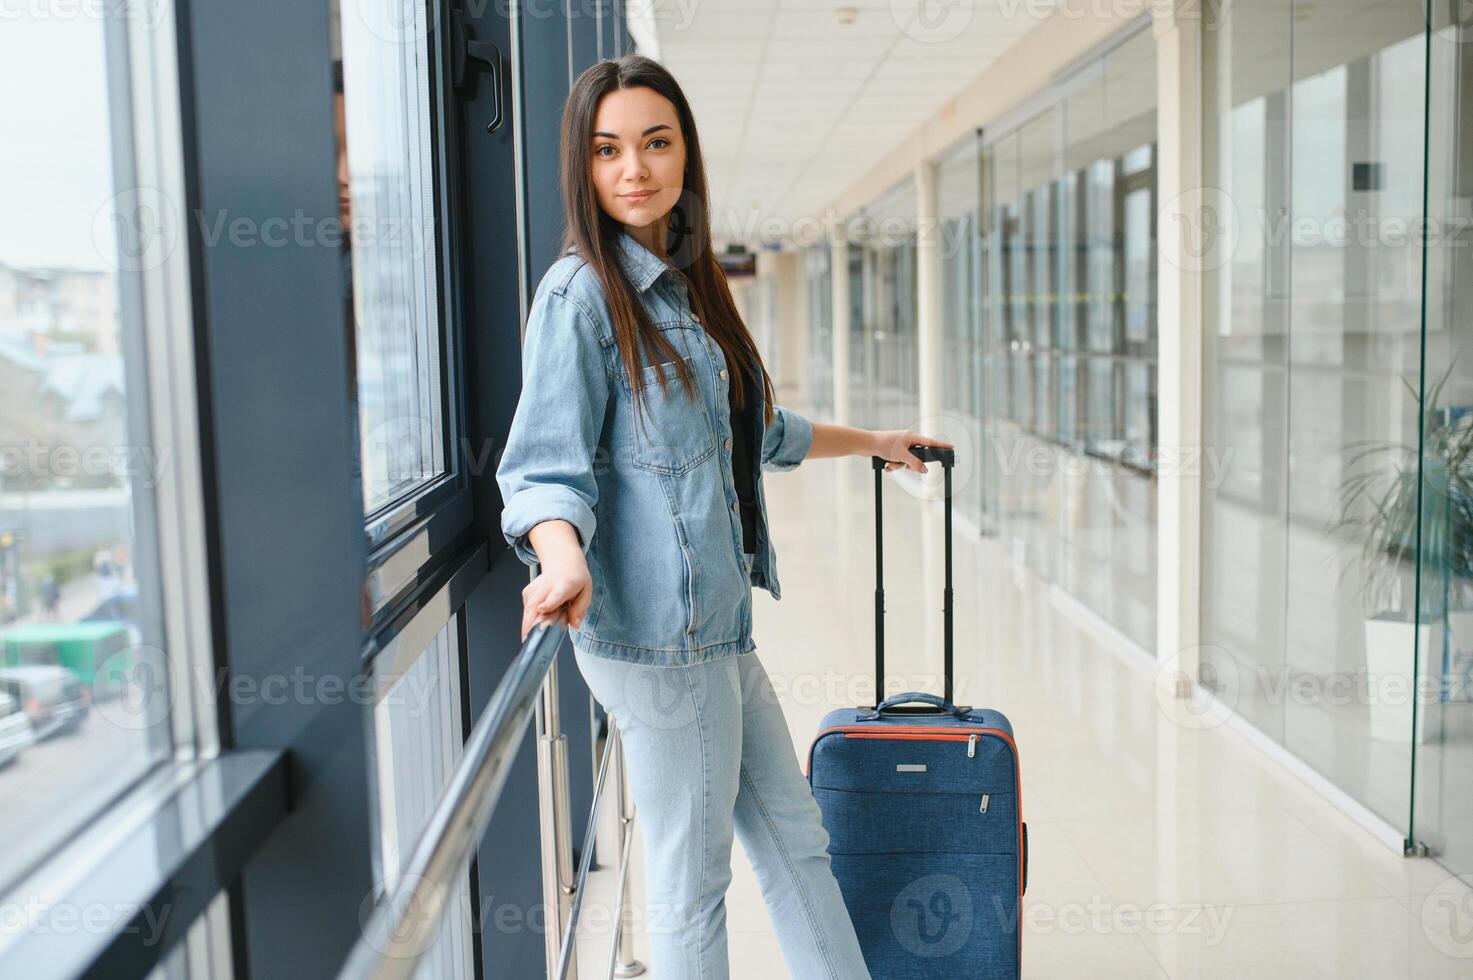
<point x="641" y="196"/>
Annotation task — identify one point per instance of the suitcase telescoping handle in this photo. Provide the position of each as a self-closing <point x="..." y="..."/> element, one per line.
<point x="926" y="454"/>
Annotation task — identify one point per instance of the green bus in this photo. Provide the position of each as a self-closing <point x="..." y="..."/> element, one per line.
<point x="83" y="648"/>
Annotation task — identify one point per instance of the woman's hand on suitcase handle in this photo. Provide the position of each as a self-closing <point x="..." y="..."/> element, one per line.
<point x="893" y="446"/>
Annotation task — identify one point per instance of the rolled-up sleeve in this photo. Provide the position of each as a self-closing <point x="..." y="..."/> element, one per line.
<point x="546" y="472"/>
<point x="787" y="440"/>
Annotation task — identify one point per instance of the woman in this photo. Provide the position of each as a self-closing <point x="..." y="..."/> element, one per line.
<point x="632" y="478"/>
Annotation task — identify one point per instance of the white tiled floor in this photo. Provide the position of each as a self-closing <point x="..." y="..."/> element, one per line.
<point x="1155" y="851"/>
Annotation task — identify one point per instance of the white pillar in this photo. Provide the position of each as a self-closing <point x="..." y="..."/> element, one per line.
<point x="839" y="265"/>
<point x="1178" y="32"/>
<point x="1180" y="227"/>
<point x="791" y="328"/>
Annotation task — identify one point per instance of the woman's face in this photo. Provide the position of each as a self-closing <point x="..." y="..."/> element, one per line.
<point x="637" y="147"/>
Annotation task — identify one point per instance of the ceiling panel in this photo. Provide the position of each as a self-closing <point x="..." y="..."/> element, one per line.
<point x="794" y="106"/>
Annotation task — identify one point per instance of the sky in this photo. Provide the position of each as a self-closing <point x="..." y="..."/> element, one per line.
<point x="55" y="164"/>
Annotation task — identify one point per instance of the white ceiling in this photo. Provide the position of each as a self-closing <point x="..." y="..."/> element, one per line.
<point x="793" y="107"/>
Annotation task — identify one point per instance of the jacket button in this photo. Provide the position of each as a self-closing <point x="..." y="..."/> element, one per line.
<point x="727" y="444"/>
<point x="734" y="506"/>
<point x="722" y="372"/>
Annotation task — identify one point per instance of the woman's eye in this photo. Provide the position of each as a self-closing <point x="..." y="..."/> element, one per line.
<point x="599" y="150"/>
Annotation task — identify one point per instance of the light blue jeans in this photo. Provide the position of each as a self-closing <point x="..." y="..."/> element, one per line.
<point x="708" y="753"/>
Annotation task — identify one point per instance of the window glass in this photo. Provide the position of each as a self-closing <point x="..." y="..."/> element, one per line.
<point x="418" y="743"/>
<point x="81" y="662"/>
<point x="387" y="199"/>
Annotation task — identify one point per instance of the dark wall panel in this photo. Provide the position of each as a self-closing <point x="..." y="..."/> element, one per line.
<point x="286" y="517"/>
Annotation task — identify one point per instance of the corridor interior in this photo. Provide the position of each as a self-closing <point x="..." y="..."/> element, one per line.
<point x="1157" y="849"/>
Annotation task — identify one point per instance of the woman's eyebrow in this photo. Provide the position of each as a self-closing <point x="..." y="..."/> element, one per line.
<point x="655" y="128"/>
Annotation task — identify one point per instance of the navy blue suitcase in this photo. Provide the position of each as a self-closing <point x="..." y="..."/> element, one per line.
<point x="922" y="803"/>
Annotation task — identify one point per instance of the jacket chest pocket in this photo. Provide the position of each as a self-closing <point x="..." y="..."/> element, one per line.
<point x="671" y="432"/>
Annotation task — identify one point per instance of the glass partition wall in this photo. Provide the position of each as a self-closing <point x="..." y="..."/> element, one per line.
<point x="1048" y="282"/>
<point x="1316" y="394"/>
<point x="885" y="385"/>
<point x="819" y="259"/>
<point x="1046" y="232"/>
<point x="1443" y="753"/>
<point x="958" y="199"/>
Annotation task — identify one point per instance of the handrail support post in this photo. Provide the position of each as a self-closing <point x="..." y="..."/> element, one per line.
<point x="553" y="818"/>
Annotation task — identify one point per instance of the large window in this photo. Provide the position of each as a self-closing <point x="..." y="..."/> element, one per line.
<point x="398" y="195"/>
<point x="394" y="248"/>
<point x="89" y="703"/>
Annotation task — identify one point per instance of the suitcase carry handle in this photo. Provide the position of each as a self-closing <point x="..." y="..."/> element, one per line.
<point x="914" y="696"/>
<point x="926" y="454"/>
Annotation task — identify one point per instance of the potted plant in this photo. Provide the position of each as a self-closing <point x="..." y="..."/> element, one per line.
<point x="1379" y="506"/>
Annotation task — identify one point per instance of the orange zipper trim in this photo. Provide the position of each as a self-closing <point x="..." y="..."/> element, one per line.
<point x="939" y="738"/>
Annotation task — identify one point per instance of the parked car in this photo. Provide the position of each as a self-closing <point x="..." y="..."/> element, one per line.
<point x="52" y="698"/>
<point x="15" y="728"/>
<point x="98" y="652"/>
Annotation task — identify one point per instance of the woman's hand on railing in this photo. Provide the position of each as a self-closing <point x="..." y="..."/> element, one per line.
<point x="564" y="581"/>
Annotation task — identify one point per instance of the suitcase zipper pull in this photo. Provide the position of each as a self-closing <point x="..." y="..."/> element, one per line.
<point x="985" y="798"/>
<point x="972" y="745"/>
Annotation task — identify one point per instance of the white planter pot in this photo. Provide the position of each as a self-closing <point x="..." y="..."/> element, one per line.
<point x="1392" y="694"/>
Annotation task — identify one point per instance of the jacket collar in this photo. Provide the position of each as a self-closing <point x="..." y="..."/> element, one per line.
<point x="641" y="265"/>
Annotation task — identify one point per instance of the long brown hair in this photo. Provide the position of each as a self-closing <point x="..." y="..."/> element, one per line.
<point x="595" y="235"/>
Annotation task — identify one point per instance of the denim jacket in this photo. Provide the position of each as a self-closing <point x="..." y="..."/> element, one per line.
<point x="655" y="506"/>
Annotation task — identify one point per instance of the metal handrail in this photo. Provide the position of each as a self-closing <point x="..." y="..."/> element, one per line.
<point x="621" y="952"/>
<point x="406" y="918"/>
<point x="585" y="862"/>
<point x="404" y="922"/>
